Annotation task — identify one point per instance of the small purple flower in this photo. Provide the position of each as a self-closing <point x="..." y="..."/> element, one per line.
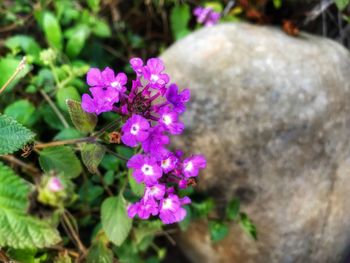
<point x="192" y="165"/>
<point x="137" y="65"/>
<point x="97" y="104"/>
<point x="115" y="82"/>
<point x="153" y="73"/>
<point x="169" y="120"/>
<point x="170" y="210"/>
<point x="135" y="130"/>
<point x="155" y="142"/>
<point x="145" y="168"/>
<point x="55" y="184"/>
<point x="206" y="16"/>
<point x="156" y="191"/>
<point x="144" y="208"/>
<point x="177" y="99"/>
<point x="168" y="162"/>
<point x="94" y="78"/>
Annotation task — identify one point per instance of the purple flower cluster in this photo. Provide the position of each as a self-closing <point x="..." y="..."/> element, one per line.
<point x="206" y="16"/>
<point x="152" y="107"/>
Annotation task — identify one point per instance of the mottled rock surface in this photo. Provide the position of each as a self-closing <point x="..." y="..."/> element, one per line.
<point x="272" y="115"/>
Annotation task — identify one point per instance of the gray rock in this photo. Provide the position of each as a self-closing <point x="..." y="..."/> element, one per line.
<point x="272" y="115"/>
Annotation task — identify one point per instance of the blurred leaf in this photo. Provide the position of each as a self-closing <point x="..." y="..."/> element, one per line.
<point x="25" y="43"/>
<point x="63" y="258"/>
<point x="22" y="255"/>
<point x="109" y="177"/>
<point x="218" y="230"/>
<point x="83" y="121"/>
<point x="277" y="4"/>
<point x="248" y="226"/>
<point x="341" y="4"/>
<point x="99" y="253"/>
<point x="203" y="208"/>
<point x="101" y="29"/>
<point x="67" y="134"/>
<point x="63" y="94"/>
<point x="217" y="7"/>
<point x="179" y="18"/>
<point x="23" y="111"/>
<point x="184" y="224"/>
<point x="17" y="229"/>
<point x="50" y="117"/>
<point x="232" y="209"/>
<point x="61" y="159"/>
<point x="115" y="221"/>
<point x="8" y="65"/>
<point x="52" y="30"/>
<point x="147" y="228"/>
<point x="94" y="5"/>
<point x="92" y="154"/>
<point x="77" y="40"/>
<point x="13" y="135"/>
<point x="137" y="189"/>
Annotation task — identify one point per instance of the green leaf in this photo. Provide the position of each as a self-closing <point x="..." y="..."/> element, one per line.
<point x="17" y="229"/>
<point x="67" y="134"/>
<point x="92" y="154"/>
<point x="23" y="111"/>
<point x="63" y="94"/>
<point x="184" y="224"/>
<point x="277" y="4"/>
<point x="179" y="18"/>
<point x="77" y="40"/>
<point x="8" y="65"/>
<point x="248" y="226"/>
<point x="218" y="230"/>
<point x="52" y="30"/>
<point x="25" y="43"/>
<point x="341" y="4"/>
<point x="101" y="29"/>
<point x="217" y="7"/>
<point x="94" y="5"/>
<point x="13" y="135"/>
<point x="115" y="221"/>
<point x="99" y="253"/>
<point x="61" y="159"/>
<point x="147" y="228"/>
<point x="83" y="121"/>
<point x="136" y="188"/>
<point x="232" y="209"/>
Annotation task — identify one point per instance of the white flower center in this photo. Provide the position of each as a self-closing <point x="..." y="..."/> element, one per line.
<point x="154" y="78"/>
<point x="189" y="166"/>
<point x="147" y="169"/>
<point x="115" y="84"/>
<point x="167" y="203"/>
<point x="154" y="190"/>
<point x="165" y="163"/>
<point x="134" y="129"/>
<point x="167" y="119"/>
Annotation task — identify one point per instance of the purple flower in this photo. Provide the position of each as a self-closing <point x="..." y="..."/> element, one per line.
<point x="137" y="65"/>
<point x="135" y="130"/>
<point x="155" y="142"/>
<point x="156" y="191"/>
<point x="115" y="82"/>
<point x="192" y="165"/>
<point x="98" y="103"/>
<point x="177" y="99"/>
<point x="153" y="73"/>
<point x="144" y="208"/>
<point x="169" y="120"/>
<point x="170" y="210"/>
<point x="55" y="184"/>
<point x="94" y="78"/>
<point x="168" y="162"/>
<point x="145" y="168"/>
<point x="206" y="15"/>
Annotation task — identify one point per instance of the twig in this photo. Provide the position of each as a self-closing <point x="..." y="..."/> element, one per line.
<point x="55" y="109"/>
<point x="64" y="142"/>
<point x="30" y="169"/>
<point x="20" y="67"/>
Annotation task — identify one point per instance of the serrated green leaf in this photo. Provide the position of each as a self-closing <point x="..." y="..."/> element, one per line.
<point x="52" y="30"/>
<point x="92" y="154"/>
<point x="83" y="121"/>
<point x="13" y="135"/>
<point x="17" y="229"/>
<point x="218" y="230"/>
<point x="179" y="18"/>
<point x="248" y="226"/>
<point x="61" y="159"/>
<point x="136" y="188"/>
<point x="63" y="94"/>
<point x="341" y="4"/>
<point x="23" y="111"/>
<point x="232" y="209"/>
<point x="99" y="253"/>
<point x="115" y="221"/>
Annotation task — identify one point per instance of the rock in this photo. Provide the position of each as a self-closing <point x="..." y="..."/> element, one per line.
<point x="272" y="115"/>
